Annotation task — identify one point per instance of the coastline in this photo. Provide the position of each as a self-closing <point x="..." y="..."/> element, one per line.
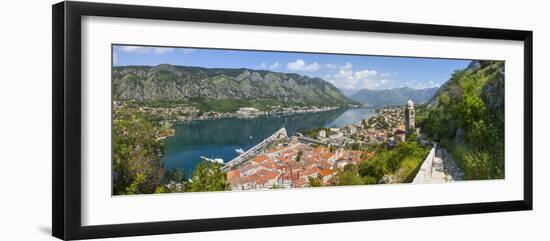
<point x="189" y="113"/>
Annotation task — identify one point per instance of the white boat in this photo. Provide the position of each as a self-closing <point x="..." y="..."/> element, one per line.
<point x="216" y="160"/>
<point x="240" y="151"/>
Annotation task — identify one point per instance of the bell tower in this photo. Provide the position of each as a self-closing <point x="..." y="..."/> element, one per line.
<point x="409" y="117"/>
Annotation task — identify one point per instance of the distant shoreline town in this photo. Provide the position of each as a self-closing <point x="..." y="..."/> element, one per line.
<point x="186" y="113"/>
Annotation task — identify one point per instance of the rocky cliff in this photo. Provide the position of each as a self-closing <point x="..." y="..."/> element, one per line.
<point x="168" y="82"/>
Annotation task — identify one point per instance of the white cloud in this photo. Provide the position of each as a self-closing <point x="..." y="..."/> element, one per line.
<point x="162" y="50"/>
<point x="301" y="65"/>
<point x="421" y="84"/>
<point x="187" y="51"/>
<point x="145" y="50"/>
<point x="265" y="65"/>
<point x="331" y="66"/>
<point x="363" y="74"/>
<point x="346" y="71"/>
<point x="348" y="79"/>
<point x="134" y="49"/>
<point x="274" y="65"/>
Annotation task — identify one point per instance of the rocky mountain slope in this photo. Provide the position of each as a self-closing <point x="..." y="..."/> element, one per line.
<point x="397" y="96"/>
<point x="489" y="82"/>
<point x="181" y="83"/>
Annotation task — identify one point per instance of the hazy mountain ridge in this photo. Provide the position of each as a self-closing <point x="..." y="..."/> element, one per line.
<point x="168" y="82"/>
<point x="396" y="96"/>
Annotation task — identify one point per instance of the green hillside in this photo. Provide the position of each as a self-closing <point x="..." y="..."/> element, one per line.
<point x="467" y="117"/>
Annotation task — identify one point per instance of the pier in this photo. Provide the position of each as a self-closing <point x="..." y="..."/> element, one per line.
<point x="254" y="150"/>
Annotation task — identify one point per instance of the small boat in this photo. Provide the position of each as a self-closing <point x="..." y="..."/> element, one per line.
<point x="240" y="151"/>
<point x="215" y="160"/>
<point x="250" y="137"/>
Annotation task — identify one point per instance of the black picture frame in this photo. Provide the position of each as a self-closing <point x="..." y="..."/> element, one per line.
<point x="66" y="127"/>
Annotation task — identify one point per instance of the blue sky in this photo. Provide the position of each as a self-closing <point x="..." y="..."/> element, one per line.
<point x="347" y="72"/>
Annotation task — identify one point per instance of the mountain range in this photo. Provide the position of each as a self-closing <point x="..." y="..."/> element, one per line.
<point x="181" y="83"/>
<point x="396" y="96"/>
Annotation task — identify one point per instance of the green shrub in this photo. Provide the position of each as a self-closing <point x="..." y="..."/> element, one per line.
<point x="401" y="161"/>
<point x="477" y="165"/>
<point x="208" y="176"/>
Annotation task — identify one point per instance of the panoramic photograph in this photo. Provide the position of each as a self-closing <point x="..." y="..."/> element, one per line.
<point x="203" y="120"/>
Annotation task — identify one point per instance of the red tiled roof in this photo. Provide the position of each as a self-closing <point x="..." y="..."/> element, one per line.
<point x="327" y="155"/>
<point x="400" y="132"/>
<point x="269" y="165"/>
<point x="260" y="159"/>
<point x="233" y="176"/>
<point x="284" y="159"/>
<point x="325" y="172"/>
<point x="247" y="167"/>
<point x="311" y="170"/>
<point x="261" y="177"/>
<point x="320" y="149"/>
<point x="300" y="182"/>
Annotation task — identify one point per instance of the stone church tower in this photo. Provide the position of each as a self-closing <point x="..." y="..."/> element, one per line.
<point x="409" y="117"/>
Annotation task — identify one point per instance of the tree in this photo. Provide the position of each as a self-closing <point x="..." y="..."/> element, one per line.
<point x="314" y="182"/>
<point x="349" y="176"/>
<point x="137" y="167"/>
<point x="175" y="175"/>
<point x="299" y="156"/>
<point x="176" y="181"/>
<point x="400" y="162"/>
<point x="375" y="167"/>
<point x="208" y="176"/>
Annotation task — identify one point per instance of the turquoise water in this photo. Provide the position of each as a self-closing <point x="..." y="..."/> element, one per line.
<point x="219" y="138"/>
